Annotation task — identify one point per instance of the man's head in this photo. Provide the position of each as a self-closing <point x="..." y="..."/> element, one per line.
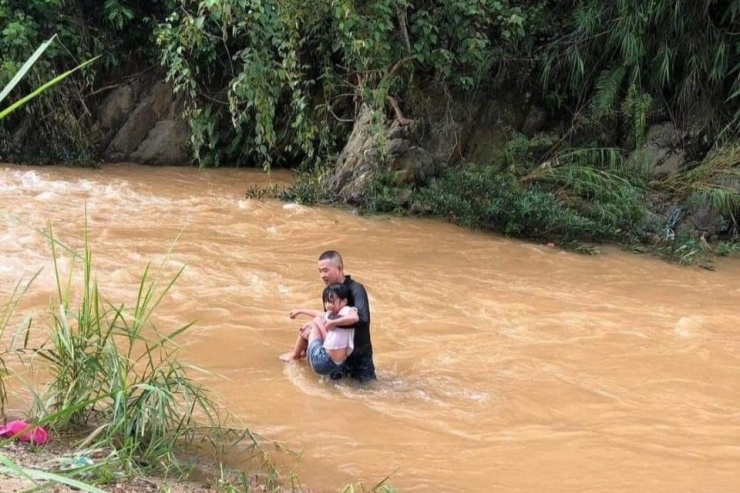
<point x="331" y="267"/>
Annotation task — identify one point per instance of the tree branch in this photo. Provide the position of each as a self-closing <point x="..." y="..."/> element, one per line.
<point x="399" y="114"/>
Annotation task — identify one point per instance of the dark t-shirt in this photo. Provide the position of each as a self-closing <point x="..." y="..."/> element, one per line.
<point x="358" y="299"/>
<point x="360" y="363"/>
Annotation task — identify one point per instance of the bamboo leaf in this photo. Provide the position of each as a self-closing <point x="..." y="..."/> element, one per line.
<point x="25" y="68"/>
<point x="44" y="88"/>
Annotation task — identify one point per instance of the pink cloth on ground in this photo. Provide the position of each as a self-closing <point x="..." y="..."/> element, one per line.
<point x="25" y="433"/>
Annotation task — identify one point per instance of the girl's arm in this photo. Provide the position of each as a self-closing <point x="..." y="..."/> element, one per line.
<point x="305" y="311"/>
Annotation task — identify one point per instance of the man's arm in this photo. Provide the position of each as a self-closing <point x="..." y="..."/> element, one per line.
<point x="346" y="318"/>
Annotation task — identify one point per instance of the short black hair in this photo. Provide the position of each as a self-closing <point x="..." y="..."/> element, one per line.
<point x="335" y="291"/>
<point x="333" y="256"/>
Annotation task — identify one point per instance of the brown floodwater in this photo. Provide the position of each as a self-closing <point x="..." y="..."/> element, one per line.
<point x="502" y="365"/>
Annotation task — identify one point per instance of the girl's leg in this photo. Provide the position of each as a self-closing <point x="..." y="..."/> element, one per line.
<point x="318" y="322"/>
<point x="299" y="350"/>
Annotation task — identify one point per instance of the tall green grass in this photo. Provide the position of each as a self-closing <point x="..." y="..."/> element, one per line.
<point x="7" y="309"/>
<point x="45" y="87"/>
<point x="113" y="373"/>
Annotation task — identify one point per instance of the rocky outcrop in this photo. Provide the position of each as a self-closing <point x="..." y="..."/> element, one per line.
<point x="116" y="107"/>
<point x="705" y="220"/>
<point x="165" y="144"/>
<point x="369" y="151"/>
<point x="662" y="156"/>
<point x="147" y="130"/>
<point x="440" y="135"/>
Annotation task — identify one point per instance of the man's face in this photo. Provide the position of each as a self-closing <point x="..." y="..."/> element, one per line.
<point x="329" y="272"/>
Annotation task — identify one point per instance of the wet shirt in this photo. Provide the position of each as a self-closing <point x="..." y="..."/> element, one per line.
<point x="340" y="337"/>
<point x="360" y="363"/>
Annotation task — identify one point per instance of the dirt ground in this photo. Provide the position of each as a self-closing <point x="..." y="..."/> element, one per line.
<point x="42" y="457"/>
<point x="57" y="453"/>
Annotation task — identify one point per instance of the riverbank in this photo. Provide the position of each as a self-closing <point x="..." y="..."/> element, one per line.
<point x="48" y="457"/>
<point x="206" y="475"/>
<point x="571" y="205"/>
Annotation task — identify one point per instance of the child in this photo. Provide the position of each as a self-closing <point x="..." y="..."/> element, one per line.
<point x="328" y="345"/>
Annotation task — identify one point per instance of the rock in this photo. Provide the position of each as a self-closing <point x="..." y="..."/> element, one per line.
<point x="162" y="100"/>
<point x="664" y="135"/>
<point x="669" y="166"/>
<point x="443" y="141"/>
<point x="706" y="220"/>
<point x="535" y="121"/>
<point x="116" y="107"/>
<point x="369" y="151"/>
<point x="660" y="157"/>
<point x="132" y="133"/>
<point x="150" y="110"/>
<point x="414" y="165"/>
<point x="165" y="145"/>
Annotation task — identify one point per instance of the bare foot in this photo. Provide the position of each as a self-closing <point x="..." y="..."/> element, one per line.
<point x="287" y="357"/>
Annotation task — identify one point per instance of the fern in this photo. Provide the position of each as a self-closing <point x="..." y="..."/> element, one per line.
<point x="606" y="96"/>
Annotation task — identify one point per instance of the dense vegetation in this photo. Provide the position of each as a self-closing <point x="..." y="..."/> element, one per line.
<point x="270" y="83"/>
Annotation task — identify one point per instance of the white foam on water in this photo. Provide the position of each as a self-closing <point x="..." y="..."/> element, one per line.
<point x="687" y="327"/>
<point x="292" y="206"/>
<point x="45" y="196"/>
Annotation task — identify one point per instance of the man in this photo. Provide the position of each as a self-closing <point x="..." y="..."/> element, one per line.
<point x="360" y="363"/>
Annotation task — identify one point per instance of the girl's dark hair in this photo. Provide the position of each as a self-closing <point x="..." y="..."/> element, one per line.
<point x="336" y="291"/>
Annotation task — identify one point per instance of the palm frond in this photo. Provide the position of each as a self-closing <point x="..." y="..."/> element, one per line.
<point x="608" y="86"/>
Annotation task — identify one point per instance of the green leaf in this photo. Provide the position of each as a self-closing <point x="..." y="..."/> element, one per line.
<point x="43" y="88"/>
<point x="36" y="475"/>
<point x="25" y="68"/>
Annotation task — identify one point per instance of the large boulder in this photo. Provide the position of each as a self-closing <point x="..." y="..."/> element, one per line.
<point x="116" y="107"/>
<point x="155" y="106"/>
<point x="661" y="157"/>
<point x="370" y="151"/>
<point x="705" y="220"/>
<point x="165" y="145"/>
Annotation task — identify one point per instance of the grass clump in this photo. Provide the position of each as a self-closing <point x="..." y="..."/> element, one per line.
<point x="114" y="375"/>
<point x="309" y="187"/>
<point x="579" y="195"/>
